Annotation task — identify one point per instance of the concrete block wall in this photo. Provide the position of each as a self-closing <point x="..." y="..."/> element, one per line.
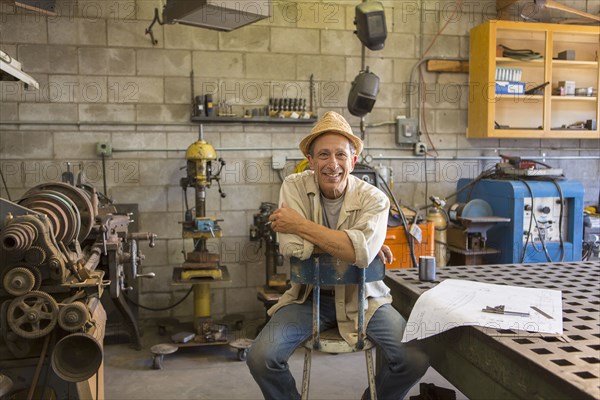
<point x="102" y="80"/>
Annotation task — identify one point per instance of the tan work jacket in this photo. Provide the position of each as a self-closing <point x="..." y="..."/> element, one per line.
<point x="363" y="217"/>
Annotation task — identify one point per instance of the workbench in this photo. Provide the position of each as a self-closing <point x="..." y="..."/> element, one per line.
<point x="506" y="364"/>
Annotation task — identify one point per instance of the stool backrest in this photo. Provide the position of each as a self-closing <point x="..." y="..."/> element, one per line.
<point x="325" y="269"/>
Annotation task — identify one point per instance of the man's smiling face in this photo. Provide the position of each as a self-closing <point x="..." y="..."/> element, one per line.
<point x="332" y="158"/>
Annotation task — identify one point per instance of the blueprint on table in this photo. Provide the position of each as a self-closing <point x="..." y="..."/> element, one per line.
<point x="456" y="302"/>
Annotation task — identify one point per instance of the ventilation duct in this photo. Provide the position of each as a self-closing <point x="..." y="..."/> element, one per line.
<point x="222" y="15"/>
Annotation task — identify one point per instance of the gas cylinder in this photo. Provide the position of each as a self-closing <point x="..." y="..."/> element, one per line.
<point x="437" y="216"/>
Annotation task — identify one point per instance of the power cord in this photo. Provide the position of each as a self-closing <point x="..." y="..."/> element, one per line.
<point x="163" y="308"/>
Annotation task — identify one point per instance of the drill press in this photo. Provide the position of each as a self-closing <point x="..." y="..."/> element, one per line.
<point x="200" y="266"/>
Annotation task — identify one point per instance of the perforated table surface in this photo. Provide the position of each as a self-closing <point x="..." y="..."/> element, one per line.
<point x="486" y="363"/>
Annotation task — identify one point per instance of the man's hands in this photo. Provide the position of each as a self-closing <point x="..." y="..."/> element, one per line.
<point x="286" y="220"/>
<point x="385" y="253"/>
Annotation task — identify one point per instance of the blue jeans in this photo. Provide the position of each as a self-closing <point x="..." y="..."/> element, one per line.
<point x="403" y="364"/>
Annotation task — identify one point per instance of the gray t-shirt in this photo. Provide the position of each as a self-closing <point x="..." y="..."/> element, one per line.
<point x="331" y="211"/>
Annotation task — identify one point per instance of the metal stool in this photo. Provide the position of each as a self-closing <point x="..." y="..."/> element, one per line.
<point x="323" y="270"/>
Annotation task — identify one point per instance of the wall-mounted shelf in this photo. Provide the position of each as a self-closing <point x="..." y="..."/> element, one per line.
<point x="252" y="120"/>
<point x="494" y="115"/>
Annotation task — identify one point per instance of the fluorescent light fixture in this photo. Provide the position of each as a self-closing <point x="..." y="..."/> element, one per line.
<point x="10" y="70"/>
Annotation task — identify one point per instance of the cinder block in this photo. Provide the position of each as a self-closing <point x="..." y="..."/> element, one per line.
<point x="163" y="113"/>
<point x="163" y="62"/>
<point x="34" y="57"/>
<point x="126" y="33"/>
<point x="213" y="64"/>
<point x="163" y="224"/>
<point x="321" y="15"/>
<point x="159" y="172"/>
<point x="161" y="283"/>
<point x="325" y="68"/>
<point x="140" y="141"/>
<point x="25" y="144"/>
<point x="233" y="223"/>
<point x="253" y="195"/>
<point x="399" y="46"/>
<point x="250" y="38"/>
<point x="107" y="112"/>
<point x="48" y="112"/>
<point x="135" y="90"/>
<point x="295" y="41"/>
<point x="444" y="46"/>
<point x="451" y="121"/>
<point x="340" y="43"/>
<point x="82" y="144"/>
<point x="178" y="91"/>
<point x="270" y="66"/>
<point x="148" y="198"/>
<point x="8" y="111"/>
<point x="77" y="89"/>
<point x="21" y="28"/>
<point x="189" y="37"/>
<point x="76" y="31"/>
<point x="102" y="61"/>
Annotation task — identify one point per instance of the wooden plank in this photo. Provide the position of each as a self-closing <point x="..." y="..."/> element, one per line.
<point x="447" y="66"/>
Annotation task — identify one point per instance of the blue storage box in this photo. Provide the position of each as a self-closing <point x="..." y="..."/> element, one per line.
<point x="509" y="87"/>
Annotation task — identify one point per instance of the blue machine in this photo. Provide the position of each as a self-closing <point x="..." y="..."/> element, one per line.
<point x="535" y="219"/>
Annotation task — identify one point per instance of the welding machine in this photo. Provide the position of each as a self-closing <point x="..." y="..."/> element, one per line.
<point x="546" y="218"/>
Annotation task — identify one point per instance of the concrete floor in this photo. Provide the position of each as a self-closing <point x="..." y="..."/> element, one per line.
<point x="214" y="372"/>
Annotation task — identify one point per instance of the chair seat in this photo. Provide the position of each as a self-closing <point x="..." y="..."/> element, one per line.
<point x="332" y="342"/>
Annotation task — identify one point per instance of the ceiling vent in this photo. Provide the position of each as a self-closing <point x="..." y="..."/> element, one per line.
<point x="222" y="15"/>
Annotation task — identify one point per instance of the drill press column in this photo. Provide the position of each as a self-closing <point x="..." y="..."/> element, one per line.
<point x="200" y="266"/>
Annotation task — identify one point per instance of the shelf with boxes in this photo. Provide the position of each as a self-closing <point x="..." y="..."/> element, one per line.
<point x="533" y="80"/>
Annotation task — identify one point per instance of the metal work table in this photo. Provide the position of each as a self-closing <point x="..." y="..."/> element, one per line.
<point x="486" y="363"/>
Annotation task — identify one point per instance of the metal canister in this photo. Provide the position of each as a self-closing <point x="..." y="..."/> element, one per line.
<point x="436" y="215"/>
<point x="427" y="269"/>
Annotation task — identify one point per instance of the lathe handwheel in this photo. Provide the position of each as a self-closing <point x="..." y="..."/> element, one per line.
<point x="33" y="315"/>
<point x="18" y="281"/>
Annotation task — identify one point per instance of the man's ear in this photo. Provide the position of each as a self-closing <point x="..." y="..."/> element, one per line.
<point x="310" y="162"/>
<point x="354" y="159"/>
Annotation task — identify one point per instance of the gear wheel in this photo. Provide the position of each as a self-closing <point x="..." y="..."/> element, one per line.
<point x="18" y="281"/>
<point x="38" y="277"/>
<point x="72" y="317"/>
<point x="33" y="315"/>
<point x="35" y="255"/>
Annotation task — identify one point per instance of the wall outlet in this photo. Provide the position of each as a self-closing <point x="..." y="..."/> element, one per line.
<point x="420" y="149"/>
<point x="103" y="149"/>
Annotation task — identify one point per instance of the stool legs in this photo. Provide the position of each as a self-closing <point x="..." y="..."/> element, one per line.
<point x="371" y="374"/>
<point x="306" y="373"/>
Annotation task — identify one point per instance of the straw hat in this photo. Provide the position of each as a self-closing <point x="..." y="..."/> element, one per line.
<point x="331" y="122"/>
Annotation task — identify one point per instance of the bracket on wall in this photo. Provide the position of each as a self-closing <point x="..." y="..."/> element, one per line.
<point x="149" y="29"/>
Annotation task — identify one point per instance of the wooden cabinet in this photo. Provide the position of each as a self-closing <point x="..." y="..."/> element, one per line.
<point x="544" y="114"/>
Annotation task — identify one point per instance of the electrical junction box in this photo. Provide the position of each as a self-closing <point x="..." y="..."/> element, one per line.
<point x="535" y="219"/>
<point x="406" y="131"/>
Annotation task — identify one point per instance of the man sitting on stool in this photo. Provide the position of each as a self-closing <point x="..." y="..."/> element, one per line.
<point x="327" y="210"/>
